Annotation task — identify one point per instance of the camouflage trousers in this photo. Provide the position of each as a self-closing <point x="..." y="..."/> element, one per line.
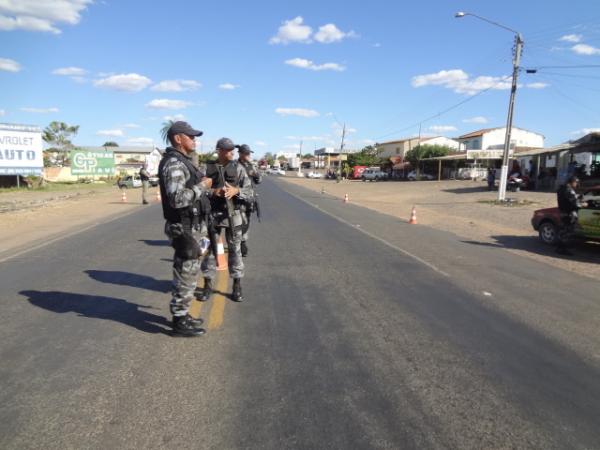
<point x="246" y="225"/>
<point x="185" y="274"/>
<point x="234" y="256"/>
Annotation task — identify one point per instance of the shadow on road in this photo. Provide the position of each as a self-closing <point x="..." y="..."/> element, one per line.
<point x="467" y="190"/>
<point x="585" y="252"/>
<point x="155" y="242"/>
<point x="130" y="279"/>
<point x="98" y="307"/>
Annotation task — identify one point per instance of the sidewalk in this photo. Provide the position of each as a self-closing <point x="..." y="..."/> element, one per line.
<point x="466" y="209"/>
<point x="30" y="217"/>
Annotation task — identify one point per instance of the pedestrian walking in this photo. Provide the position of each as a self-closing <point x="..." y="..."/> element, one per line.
<point x="145" y="177"/>
<point x="251" y="206"/>
<point x="230" y="189"/>
<point x="491" y="178"/>
<point x="569" y="205"/>
<point x="184" y="195"/>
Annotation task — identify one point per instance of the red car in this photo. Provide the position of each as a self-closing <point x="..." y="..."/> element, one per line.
<point x="546" y="221"/>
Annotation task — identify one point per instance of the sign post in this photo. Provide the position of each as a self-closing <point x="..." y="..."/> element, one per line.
<point x="21" y="151"/>
<point x="95" y="163"/>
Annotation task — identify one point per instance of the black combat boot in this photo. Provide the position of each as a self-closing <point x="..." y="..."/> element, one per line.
<point x="186" y="326"/>
<point x="236" y="295"/>
<point x="244" y="248"/>
<point x="203" y="295"/>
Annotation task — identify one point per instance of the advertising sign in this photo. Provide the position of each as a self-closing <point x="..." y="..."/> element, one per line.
<point x="84" y="162"/>
<point x="21" y="151"/>
<point x="486" y="154"/>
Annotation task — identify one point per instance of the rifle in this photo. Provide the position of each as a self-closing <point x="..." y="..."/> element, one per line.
<point x="212" y="237"/>
<point x="257" y="206"/>
<point x="229" y="209"/>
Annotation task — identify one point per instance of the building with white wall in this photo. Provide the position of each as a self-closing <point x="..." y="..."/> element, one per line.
<point x="493" y="139"/>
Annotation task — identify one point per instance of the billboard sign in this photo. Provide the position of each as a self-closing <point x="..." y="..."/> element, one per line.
<point x="85" y="162"/>
<point x="486" y="154"/>
<point x="21" y="151"/>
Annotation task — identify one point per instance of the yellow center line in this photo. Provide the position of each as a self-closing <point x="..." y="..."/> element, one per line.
<point x="215" y="320"/>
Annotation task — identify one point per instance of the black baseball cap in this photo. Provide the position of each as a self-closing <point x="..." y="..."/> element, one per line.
<point x="225" y="144"/>
<point x="244" y="148"/>
<point x="181" y="127"/>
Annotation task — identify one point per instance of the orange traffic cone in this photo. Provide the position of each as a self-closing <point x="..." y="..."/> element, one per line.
<point x="322" y="189"/>
<point x="158" y="195"/>
<point x="221" y="260"/>
<point x="413" y="216"/>
<point x="124" y="197"/>
<point x="346" y="199"/>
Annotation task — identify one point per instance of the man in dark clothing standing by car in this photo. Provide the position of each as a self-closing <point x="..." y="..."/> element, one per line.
<point x="568" y="204"/>
<point x="184" y="195"/>
<point x="245" y="159"/>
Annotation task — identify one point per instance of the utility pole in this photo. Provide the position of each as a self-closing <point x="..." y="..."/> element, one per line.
<point x="509" y="119"/>
<point x="300" y="160"/>
<point x="341" y="150"/>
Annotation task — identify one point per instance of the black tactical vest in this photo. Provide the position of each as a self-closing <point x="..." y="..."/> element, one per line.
<point x="181" y="215"/>
<point x="230" y="173"/>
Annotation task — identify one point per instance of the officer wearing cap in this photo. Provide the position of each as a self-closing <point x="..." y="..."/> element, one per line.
<point x="230" y="189"/>
<point x="245" y="160"/>
<point x="184" y="195"/>
<point x="569" y="204"/>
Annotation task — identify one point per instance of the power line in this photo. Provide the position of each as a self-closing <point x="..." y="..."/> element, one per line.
<point x="574" y="66"/>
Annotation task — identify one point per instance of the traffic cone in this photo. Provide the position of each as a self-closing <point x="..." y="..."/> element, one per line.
<point x="158" y="195"/>
<point x="413" y="216"/>
<point x="322" y="189"/>
<point x="346" y="199"/>
<point x="221" y="260"/>
<point x="124" y="197"/>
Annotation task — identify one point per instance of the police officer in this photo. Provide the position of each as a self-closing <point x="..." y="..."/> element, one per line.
<point x="568" y="204"/>
<point x="245" y="160"/>
<point x="230" y="189"/>
<point x="145" y="177"/>
<point x="184" y="195"/>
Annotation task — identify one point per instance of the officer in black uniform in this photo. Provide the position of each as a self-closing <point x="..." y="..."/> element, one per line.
<point x="230" y="189"/>
<point x="185" y="204"/>
<point x="245" y="159"/>
<point x="568" y="204"/>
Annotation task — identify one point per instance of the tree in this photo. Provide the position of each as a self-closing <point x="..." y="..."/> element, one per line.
<point x="307" y="156"/>
<point x="420" y="152"/>
<point x="164" y="131"/>
<point x="57" y="134"/>
<point x="110" y="144"/>
<point x="269" y="158"/>
<point x="368" y="156"/>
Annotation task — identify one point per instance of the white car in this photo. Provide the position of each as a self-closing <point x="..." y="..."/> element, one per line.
<point x="314" y="175"/>
<point x="275" y="171"/>
<point x="412" y="176"/>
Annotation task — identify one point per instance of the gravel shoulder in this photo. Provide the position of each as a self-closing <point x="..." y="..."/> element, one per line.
<point x="466" y="209"/>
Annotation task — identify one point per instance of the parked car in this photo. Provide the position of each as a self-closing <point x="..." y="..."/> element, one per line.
<point x="412" y="176"/>
<point x="275" y="171"/>
<point x="130" y="181"/>
<point x="547" y="221"/>
<point x="373" y="174"/>
<point x="314" y="175"/>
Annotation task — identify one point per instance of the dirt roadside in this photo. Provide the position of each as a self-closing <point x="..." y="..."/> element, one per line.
<point x="466" y="209"/>
<point x="35" y="216"/>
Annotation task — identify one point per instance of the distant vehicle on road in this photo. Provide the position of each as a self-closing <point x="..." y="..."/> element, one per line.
<point x="412" y="176"/>
<point x="314" y="175"/>
<point x="373" y="174"/>
<point x="275" y="171"/>
<point x="547" y="221"/>
<point x="130" y="181"/>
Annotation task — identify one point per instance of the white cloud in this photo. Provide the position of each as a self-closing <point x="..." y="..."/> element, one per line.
<point x="70" y="71"/>
<point x="309" y="65"/>
<point x="40" y="110"/>
<point x="329" y="33"/>
<point x="130" y="82"/>
<point x="585" y="131"/>
<point x="164" y="103"/>
<point x="476" y="119"/>
<point x="79" y="79"/>
<point x="292" y="30"/>
<point x="297" y="112"/>
<point x="460" y="82"/>
<point x="571" y="38"/>
<point x="176" y="86"/>
<point x="260" y="143"/>
<point x="584" y="49"/>
<point x="442" y="128"/>
<point x="36" y="15"/>
<point x="174" y="117"/>
<point x="9" y="65"/>
<point x="537" y="85"/>
<point x="111" y="133"/>
<point x="229" y="86"/>
<point x="131" y="125"/>
<point x="140" y="141"/>
<point x="2" y="112"/>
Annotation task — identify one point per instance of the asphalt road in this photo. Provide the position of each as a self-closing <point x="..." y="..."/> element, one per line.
<point x="359" y="331"/>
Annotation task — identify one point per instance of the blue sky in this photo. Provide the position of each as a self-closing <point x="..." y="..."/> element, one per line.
<point x="271" y="73"/>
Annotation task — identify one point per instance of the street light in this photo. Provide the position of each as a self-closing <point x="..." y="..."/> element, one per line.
<point x="511" y="104"/>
